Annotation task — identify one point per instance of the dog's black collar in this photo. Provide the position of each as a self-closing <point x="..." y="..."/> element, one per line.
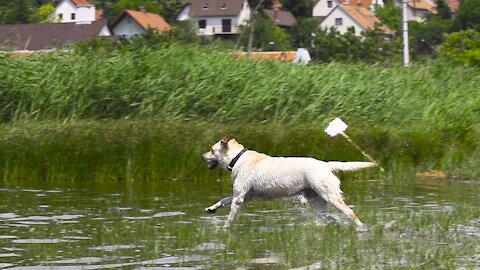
<point x="235" y="159"/>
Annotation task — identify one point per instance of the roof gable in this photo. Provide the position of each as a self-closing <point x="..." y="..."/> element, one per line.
<point x="206" y="8"/>
<point x="362" y="17"/>
<point x="145" y="20"/>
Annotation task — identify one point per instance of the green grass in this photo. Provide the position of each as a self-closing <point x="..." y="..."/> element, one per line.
<point x="148" y="114"/>
<point x="148" y="150"/>
<point x="188" y="83"/>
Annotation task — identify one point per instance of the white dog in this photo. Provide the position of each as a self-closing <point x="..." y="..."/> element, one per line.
<point x="258" y="175"/>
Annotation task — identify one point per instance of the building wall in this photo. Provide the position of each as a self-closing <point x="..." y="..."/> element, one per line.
<point x="127" y="28"/>
<point x="67" y="8"/>
<point x="214" y="24"/>
<point x="348" y="22"/>
<point x="321" y="8"/>
<point x="184" y="14"/>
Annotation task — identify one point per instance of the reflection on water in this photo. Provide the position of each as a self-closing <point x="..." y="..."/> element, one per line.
<point x="161" y="225"/>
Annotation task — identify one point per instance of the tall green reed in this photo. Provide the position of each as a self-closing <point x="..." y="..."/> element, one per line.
<point x="188" y="83"/>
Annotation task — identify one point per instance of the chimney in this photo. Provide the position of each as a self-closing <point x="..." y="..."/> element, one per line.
<point x="276" y="5"/>
<point x="142" y="9"/>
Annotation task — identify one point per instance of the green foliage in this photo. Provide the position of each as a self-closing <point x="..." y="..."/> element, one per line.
<point x="390" y="15"/>
<point x="188" y="83"/>
<point x="462" y="47"/>
<point x="270" y="37"/>
<point x="443" y="10"/>
<point x="468" y="16"/>
<point x="328" y="45"/>
<point x="43" y="14"/>
<point x="425" y="37"/>
<point x="15" y="12"/>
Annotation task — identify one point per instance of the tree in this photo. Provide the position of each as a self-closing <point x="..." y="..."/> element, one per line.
<point x="462" y="47"/>
<point x="19" y="11"/>
<point x="43" y="14"/>
<point x="443" y="10"/>
<point x="299" y="8"/>
<point x="425" y="37"/>
<point x="468" y="16"/>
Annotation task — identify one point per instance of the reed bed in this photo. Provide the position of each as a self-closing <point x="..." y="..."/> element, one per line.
<point x="149" y="114"/>
<point x="188" y="83"/>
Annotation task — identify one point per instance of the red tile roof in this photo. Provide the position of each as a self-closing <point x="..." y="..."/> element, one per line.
<point x="81" y="2"/>
<point x="362" y="3"/>
<point x="365" y="18"/>
<point x="422" y="4"/>
<point x="147" y="20"/>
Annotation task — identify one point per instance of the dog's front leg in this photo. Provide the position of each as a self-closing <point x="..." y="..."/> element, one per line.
<point x="222" y="203"/>
<point x="238" y="200"/>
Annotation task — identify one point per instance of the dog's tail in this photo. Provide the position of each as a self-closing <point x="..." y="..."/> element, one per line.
<point x="350" y="166"/>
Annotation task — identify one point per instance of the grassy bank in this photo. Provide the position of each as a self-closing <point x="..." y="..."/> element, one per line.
<point x="155" y="150"/>
<point x="184" y="82"/>
<point x="148" y="114"/>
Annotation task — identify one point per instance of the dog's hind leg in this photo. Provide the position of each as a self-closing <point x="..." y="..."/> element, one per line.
<point x="222" y="203"/>
<point x="338" y="202"/>
<point x="331" y="193"/>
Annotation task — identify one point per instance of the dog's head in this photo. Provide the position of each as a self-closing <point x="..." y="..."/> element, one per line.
<point x="218" y="156"/>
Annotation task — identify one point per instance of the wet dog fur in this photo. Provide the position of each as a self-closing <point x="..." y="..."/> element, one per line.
<point x="259" y="175"/>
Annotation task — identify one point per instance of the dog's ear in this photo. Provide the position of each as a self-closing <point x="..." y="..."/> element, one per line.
<point x="224" y="142"/>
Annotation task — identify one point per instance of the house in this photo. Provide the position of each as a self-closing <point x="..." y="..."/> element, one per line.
<point x="344" y="16"/>
<point x="323" y="7"/>
<point x="281" y="18"/>
<point x="133" y="23"/>
<point x="35" y="36"/>
<point x="220" y="18"/>
<point x="418" y="9"/>
<point x="78" y="11"/>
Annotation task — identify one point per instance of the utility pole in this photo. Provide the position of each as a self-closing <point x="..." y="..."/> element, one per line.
<point x="406" y="54"/>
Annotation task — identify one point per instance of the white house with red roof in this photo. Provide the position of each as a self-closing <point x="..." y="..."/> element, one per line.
<point x="78" y="11"/>
<point x="347" y="15"/>
<point x="418" y="9"/>
<point x="216" y="17"/>
<point x="133" y="23"/>
<point x="323" y="7"/>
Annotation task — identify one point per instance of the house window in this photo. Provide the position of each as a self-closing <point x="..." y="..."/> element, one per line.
<point x="202" y="24"/>
<point x="329" y="4"/>
<point x="60" y="16"/>
<point x="205" y="6"/>
<point x="224" y="6"/>
<point x="72" y="16"/>
<point x="338" y="21"/>
<point x="129" y="20"/>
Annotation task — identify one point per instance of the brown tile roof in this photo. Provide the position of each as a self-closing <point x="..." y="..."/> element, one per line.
<point x="47" y="35"/>
<point x="453" y="4"/>
<point x="363" y="3"/>
<point x="365" y="18"/>
<point x="422" y="4"/>
<point x="147" y="20"/>
<point x="280" y="17"/>
<point x="207" y="8"/>
<point x="81" y="2"/>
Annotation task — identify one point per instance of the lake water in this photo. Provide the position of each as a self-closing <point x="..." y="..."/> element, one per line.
<point x="161" y="225"/>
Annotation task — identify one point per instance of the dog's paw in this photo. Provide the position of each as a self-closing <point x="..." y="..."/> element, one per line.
<point x="210" y="210"/>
